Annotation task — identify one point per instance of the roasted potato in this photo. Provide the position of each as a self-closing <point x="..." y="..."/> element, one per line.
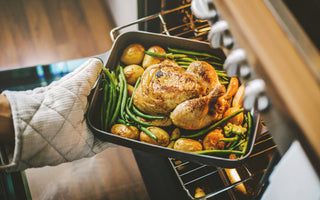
<point x="232" y="88"/>
<point x="238" y="119"/>
<point x="130" y="89"/>
<point x="238" y="97"/>
<point x="174" y="136"/>
<point x="133" y="54"/>
<point x="123" y="130"/>
<point x="149" y="60"/>
<point x="212" y="140"/>
<point x="188" y="145"/>
<point x="163" y="136"/>
<point x="132" y="73"/>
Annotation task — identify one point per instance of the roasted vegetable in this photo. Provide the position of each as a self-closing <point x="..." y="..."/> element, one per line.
<point x="162" y="135"/>
<point x="151" y="60"/>
<point x="130" y="89"/>
<point x="213" y="140"/>
<point x="231" y="129"/>
<point x="132" y="73"/>
<point x="237" y="119"/>
<point x="133" y="54"/>
<point x="227" y="137"/>
<point x="232" y="88"/>
<point x="123" y="130"/>
<point x="188" y="145"/>
<point x="174" y="136"/>
<point x="238" y="97"/>
<point x="215" y="125"/>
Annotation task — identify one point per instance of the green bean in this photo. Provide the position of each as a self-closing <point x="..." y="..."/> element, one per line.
<point x="121" y="121"/>
<point x="112" y="96"/>
<point x="165" y="55"/>
<point x="183" y="63"/>
<point x="194" y="53"/>
<point x="214" y="63"/>
<point x="125" y="93"/>
<point x="148" y="132"/>
<point x="235" y="144"/>
<point x="134" y="118"/>
<point x="224" y="82"/>
<point x="143" y="115"/>
<point x="115" y="80"/>
<point x="106" y="122"/>
<point x="218" y="151"/>
<point x="232" y="139"/>
<point x="186" y="59"/>
<point x="215" y="125"/>
<point x="221" y="74"/>
<point x="134" y="89"/>
<point x="117" y="110"/>
<point x="248" y="133"/>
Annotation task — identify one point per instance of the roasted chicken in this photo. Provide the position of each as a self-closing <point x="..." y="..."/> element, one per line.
<point x="190" y="97"/>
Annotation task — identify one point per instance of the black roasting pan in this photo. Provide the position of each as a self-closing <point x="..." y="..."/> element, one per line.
<point x="148" y="39"/>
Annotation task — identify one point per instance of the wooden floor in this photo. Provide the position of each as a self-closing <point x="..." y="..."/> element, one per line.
<point x="34" y="32"/>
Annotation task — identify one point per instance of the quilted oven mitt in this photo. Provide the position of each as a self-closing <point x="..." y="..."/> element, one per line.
<point x="49" y="122"/>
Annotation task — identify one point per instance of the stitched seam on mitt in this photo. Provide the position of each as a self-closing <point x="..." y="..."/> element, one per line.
<point x="79" y="100"/>
<point x="66" y="119"/>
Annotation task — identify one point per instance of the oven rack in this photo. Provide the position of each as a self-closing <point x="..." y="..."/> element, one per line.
<point x="264" y="147"/>
<point x="193" y="175"/>
<point x="192" y="28"/>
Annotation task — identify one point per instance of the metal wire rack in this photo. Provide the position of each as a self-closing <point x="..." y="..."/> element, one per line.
<point x="245" y="182"/>
<point x="191" y="28"/>
<point x="248" y="181"/>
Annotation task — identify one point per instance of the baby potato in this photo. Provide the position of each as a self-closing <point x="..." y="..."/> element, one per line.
<point x="238" y="119"/>
<point x="188" y="145"/>
<point x="163" y="136"/>
<point x="132" y="73"/>
<point x="130" y="89"/>
<point x="212" y="140"/>
<point x="133" y="54"/>
<point x="150" y="60"/>
<point x="123" y="130"/>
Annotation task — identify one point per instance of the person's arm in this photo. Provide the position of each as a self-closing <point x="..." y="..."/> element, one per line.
<point x="6" y="123"/>
<point x="48" y="125"/>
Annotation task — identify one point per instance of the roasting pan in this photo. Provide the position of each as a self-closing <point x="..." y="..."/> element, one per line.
<point x="148" y="39"/>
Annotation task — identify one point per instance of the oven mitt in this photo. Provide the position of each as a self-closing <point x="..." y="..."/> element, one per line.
<point x="49" y="122"/>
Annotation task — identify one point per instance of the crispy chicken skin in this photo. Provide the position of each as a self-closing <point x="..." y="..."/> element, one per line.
<point x="197" y="113"/>
<point x="188" y="96"/>
<point x="164" y="86"/>
<point x="205" y="73"/>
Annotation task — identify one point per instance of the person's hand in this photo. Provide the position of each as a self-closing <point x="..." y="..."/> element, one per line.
<point x="49" y="122"/>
